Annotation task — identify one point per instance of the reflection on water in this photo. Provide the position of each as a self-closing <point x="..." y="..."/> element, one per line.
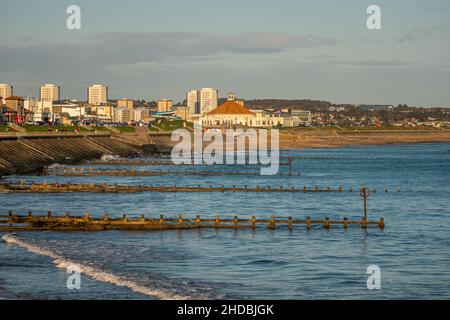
<point x="413" y="251"/>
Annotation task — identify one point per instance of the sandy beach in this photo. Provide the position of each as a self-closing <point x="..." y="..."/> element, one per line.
<point x="299" y="138"/>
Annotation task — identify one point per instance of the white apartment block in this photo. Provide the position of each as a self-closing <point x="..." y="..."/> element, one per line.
<point x="6" y="91"/>
<point x="202" y="101"/>
<point x="140" y="114"/>
<point x="208" y="100"/>
<point x="122" y="115"/>
<point x="97" y="94"/>
<point x="49" y="92"/>
<point x="42" y="110"/>
<point x="192" y="102"/>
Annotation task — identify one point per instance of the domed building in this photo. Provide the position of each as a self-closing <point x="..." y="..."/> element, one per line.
<point x="233" y="114"/>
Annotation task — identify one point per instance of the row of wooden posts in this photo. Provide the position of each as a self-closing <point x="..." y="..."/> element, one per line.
<point x="91" y="172"/>
<point x="68" y="187"/>
<point x="78" y="222"/>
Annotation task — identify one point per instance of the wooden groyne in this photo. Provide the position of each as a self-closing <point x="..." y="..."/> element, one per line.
<point x="81" y="172"/>
<point x="116" y="188"/>
<point x="67" y="222"/>
<point x="127" y="162"/>
<point x="31" y="153"/>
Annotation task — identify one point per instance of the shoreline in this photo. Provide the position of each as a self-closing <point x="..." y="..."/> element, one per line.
<point x="31" y="154"/>
<point x="296" y="139"/>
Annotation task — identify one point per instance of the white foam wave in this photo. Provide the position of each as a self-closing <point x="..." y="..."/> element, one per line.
<point x="109" y="157"/>
<point x="93" y="272"/>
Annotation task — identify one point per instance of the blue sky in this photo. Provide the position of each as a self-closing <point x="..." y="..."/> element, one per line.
<point x="260" y="49"/>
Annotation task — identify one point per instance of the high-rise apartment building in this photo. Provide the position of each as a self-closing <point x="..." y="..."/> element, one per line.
<point x="208" y="100"/>
<point x="201" y="101"/>
<point x="50" y="92"/>
<point x="192" y="102"/>
<point x="97" y="94"/>
<point x="127" y="103"/>
<point x="6" y="91"/>
<point x="164" y="105"/>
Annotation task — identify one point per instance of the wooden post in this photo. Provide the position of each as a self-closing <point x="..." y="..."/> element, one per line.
<point x="363" y="223"/>
<point x="235" y="220"/>
<point x="308" y="223"/>
<point x="327" y="223"/>
<point x="364" y="193"/>
<point x="49" y="214"/>
<point x="161" y="219"/>
<point x="381" y="223"/>
<point x="345" y="222"/>
<point x="106" y="217"/>
<point x="180" y="219"/>
<point x="10" y="217"/>
<point x="272" y="223"/>
<point x="217" y="221"/>
<point x="198" y="220"/>
<point x="254" y="222"/>
<point x="142" y="218"/>
<point x="125" y="218"/>
<point x="30" y="214"/>
<point x="290" y="223"/>
<point x="86" y="217"/>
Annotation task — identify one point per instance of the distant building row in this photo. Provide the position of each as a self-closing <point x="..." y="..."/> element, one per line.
<point x="96" y="94"/>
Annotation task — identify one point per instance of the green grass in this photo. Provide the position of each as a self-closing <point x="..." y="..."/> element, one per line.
<point x="4" y="128"/>
<point x="170" y="125"/>
<point x="101" y="129"/>
<point x="46" y="128"/>
<point x="126" y="129"/>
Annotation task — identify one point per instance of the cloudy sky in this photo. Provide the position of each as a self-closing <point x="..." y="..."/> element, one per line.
<point x="312" y="49"/>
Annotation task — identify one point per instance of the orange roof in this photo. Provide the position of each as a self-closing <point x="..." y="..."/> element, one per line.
<point x="230" y="107"/>
<point x="14" y="98"/>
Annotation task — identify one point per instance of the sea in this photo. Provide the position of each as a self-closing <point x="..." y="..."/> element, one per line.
<point x="410" y="187"/>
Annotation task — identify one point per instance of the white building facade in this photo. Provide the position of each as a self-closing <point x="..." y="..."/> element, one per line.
<point x="50" y="92"/>
<point x="6" y="91"/>
<point x="201" y="101"/>
<point x="97" y="94"/>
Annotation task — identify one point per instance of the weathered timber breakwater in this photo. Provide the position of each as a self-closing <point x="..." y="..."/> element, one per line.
<point x="31" y="153"/>
<point x="73" y="172"/>
<point x="12" y="223"/>
<point x="116" y="188"/>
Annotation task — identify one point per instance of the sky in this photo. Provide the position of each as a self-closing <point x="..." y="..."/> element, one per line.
<point x="290" y="49"/>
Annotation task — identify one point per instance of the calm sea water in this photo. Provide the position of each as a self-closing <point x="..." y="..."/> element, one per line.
<point x="413" y="251"/>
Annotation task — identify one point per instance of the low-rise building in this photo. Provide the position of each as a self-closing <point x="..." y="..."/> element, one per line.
<point x="183" y="112"/>
<point x="122" y="115"/>
<point x="42" y="110"/>
<point x="232" y="113"/>
<point x="73" y="110"/>
<point x="140" y="115"/>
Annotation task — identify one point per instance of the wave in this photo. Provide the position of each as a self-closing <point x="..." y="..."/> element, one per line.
<point x="92" y="272"/>
<point x="109" y="157"/>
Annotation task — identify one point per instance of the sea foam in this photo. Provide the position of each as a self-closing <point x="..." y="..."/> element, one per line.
<point x="92" y="272"/>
